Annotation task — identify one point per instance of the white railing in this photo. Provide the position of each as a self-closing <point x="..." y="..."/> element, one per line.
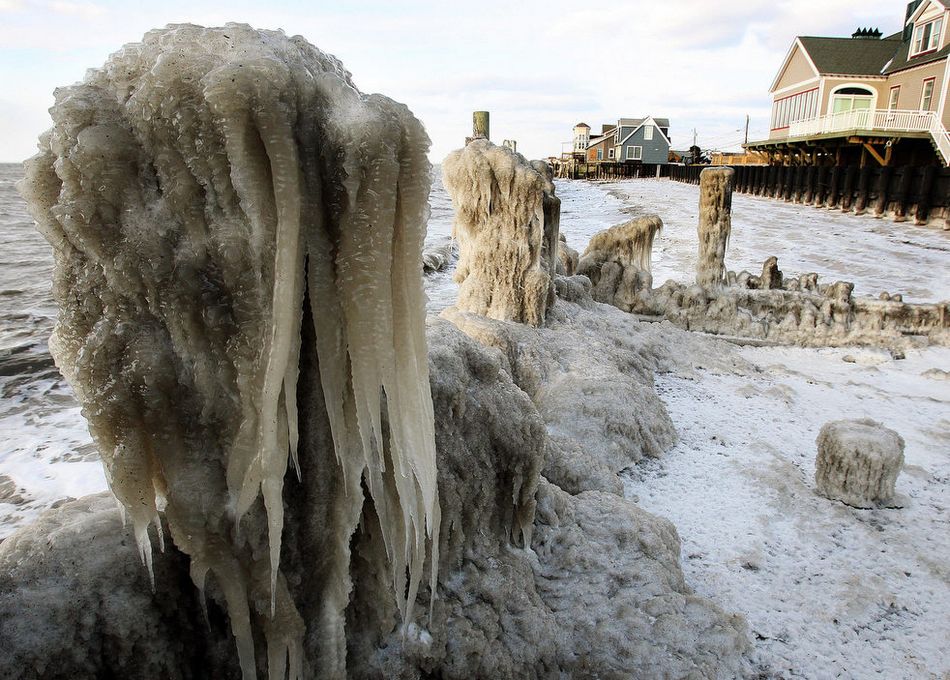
<point x="883" y="120"/>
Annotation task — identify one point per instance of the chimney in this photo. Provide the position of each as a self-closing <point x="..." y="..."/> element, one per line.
<point x="866" y="34"/>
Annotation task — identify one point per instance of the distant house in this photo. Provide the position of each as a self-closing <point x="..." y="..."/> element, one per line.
<point x="601" y="148"/>
<point x="860" y="96"/>
<point x="581" y="138"/>
<point x="634" y="140"/>
<point x="644" y="140"/>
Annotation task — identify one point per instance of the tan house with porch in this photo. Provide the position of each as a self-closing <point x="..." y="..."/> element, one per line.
<point x="867" y="95"/>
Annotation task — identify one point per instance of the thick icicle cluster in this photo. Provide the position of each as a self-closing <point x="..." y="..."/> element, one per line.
<point x="500" y="227"/>
<point x="715" y="224"/>
<point x="199" y="190"/>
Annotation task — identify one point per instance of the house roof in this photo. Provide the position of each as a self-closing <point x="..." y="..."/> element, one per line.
<point x="637" y="122"/>
<point x="901" y="61"/>
<point x="851" y="56"/>
<point x="583" y="125"/>
<point x="643" y="122"/>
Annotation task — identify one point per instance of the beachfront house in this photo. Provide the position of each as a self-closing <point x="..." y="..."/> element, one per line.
<point x="868" y="96"/>
<point x="642" y="140"/>
<point x="601" y="148"/>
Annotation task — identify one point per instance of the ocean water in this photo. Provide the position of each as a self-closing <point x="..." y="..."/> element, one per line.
<point x="46" y="453"/>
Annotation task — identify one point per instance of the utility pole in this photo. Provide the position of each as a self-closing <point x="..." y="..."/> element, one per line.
<point x="746" y="131"/>
<point x="694" y="136"/>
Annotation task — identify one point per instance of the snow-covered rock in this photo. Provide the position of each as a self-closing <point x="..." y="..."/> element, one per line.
<point x="858" y="462"/>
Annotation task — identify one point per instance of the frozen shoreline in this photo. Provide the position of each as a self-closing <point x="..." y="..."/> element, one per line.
<point x="828" y="590"/>
<point x="875" y="254"/>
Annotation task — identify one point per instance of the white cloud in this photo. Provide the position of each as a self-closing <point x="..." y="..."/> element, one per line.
<point x="81" y="9"/>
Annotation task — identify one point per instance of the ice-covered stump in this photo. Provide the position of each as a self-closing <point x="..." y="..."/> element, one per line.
<point x="858" y="462"/>
<point x="617" y="261"/>
<point x="499" y="224"/>
<point x="216" y="198"/>
<point x="715" y="224"/>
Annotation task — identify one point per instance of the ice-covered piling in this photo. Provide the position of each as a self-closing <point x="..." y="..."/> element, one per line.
<point x="715" y="224"/>
<point x="205" y="192"/>
<point x="500" y="227"/>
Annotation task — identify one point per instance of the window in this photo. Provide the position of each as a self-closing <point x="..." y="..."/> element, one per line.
<point x="926" y="37"/>
<point x="600" y="154"/>
<point x="801" y="106"/>
<point x="847" y="99"/>
<point x="648" y="132"/>
<point x="634" y="153"/>
<point x="927" y="94"/>
<point x="894" y="97"/>
<point x="610" y="153"/>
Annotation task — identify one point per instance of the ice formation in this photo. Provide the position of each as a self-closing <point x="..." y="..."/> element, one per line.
<point x="551" y="240"/>
<point x="617" y="261"/>
<point x="437" y="256"/>
<point x="600" y="593"/>
<point x="715" y="224"/>
<point x="858" y="462"/>
<point x="499" y="200"/>
<point x="205" y="191"/>
<point x="567" y="258"/>
<point x="797" y="310"/>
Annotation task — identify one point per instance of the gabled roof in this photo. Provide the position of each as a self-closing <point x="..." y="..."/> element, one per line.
<point x="657" y="124"/>
<point x="850" y="56"/>
<point x="922" y="7"/>
<point x="583" y="125"/>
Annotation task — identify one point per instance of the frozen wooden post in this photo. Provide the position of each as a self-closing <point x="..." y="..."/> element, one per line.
<point x="480" y="125"/>
<point x="715" y="223"/>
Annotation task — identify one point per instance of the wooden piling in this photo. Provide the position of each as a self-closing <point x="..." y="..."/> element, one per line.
<point x="883" y="188"/>
<point x="834" y="188"/>
<point x="903" y="189"/>
<point x="923" y="198"/>
<point x="847" y="193"/>
<point x="811" y="173"/>
<point x="864" y="185"/>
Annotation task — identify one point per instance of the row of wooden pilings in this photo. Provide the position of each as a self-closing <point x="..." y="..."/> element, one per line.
<point x="861" y="189"/>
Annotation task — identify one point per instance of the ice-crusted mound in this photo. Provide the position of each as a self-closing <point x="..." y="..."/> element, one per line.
<point x="599" y="594"/>
<point x="617" y="261"/>
<point x="202" y="191"/>
<point x="589" y="371"/>
<point x="499" y="201"/>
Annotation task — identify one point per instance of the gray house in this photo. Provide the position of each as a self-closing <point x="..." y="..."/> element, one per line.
<point x="644" y="140"/>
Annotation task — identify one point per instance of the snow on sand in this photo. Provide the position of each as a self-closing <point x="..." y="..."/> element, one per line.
<point x="829" y="591"/>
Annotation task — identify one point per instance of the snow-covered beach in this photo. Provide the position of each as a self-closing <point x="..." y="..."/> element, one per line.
<point x="828" y="591"/>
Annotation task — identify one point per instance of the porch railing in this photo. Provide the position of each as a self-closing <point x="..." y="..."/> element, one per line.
<point x="883" y="120"/>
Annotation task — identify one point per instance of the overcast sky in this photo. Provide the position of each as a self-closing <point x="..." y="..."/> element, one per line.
<point x="539" y="67"/>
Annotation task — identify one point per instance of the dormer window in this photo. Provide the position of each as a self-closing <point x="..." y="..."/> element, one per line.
<point x="926" y="37"/>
